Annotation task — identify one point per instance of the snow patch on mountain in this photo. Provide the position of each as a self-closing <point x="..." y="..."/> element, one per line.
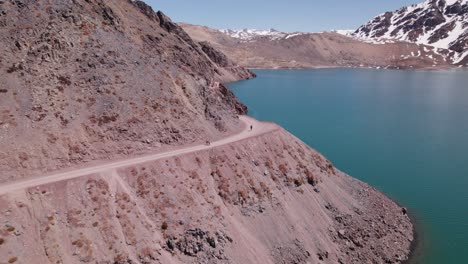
<point x="344" y="32"/>
<point x="439" y="23"/>
<point x="254" y="34"/>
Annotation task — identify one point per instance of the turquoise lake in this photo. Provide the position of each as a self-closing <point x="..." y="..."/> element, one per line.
<point x="404" y="132"/>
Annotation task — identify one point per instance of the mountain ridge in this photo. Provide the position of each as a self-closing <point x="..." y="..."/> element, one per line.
<point x="319" y="50"/>
<point x="253" y="34"/>
<point x="433" y="28"/>
<point x="439" y="23"/>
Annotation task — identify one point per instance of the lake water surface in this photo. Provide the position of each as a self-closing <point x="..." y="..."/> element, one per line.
<point x="404" y="132"/>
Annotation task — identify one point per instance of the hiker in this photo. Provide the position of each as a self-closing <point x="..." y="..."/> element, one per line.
<point x="208" y="143"/>
<point x="251" y="127"/>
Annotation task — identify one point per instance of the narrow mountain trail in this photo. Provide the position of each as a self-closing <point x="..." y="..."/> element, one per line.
<point x="259" y="128"/>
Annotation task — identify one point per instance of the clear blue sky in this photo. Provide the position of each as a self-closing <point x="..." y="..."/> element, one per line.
<point x="285" y="15"/>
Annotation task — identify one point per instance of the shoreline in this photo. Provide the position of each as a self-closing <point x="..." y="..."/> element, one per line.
<point x="413" y="246"/>
<point x="396" y="68"/>
<point x="416" y="245"/>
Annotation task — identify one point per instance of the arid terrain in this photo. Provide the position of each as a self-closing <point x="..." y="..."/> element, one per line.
<point x="92" y="80"/>
<point x="105" y="108"/>
<point x="321" y="50"/>
<point x="260" y="197"/>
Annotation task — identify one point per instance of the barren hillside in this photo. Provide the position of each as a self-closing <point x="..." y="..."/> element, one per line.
<point x="318" y="50"/>
<point x="86" y="80"/>
<point x="266" y="199"/>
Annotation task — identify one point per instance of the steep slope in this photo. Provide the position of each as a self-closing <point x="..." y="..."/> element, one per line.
<point x="272" y="49"/>
<point x="439" y="23"/>
<point x="91" y="79"/>
<point x="265" y="199"/>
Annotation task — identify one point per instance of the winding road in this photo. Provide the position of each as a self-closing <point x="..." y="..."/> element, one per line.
<point x="259" y="128"/>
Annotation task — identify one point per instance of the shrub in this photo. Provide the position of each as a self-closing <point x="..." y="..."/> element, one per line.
<point x="298" y="182"/>
<point x="2" y="241"/>
<point x="251" y="182"/>
<point x="269" y="164"/>
<point x="265" y="188"/>
<point x="164" y="225"/>
<point x="283" y="168"/>
<point x="12" y="260"/>
<point x="78" y="243"/>
<point x="14" y="68"/>
<point x="310" y="178"/>
<point x="243" y="194"/>
<point x="121" y="258"/>
<point x="330" y="167"/>
<point x="64" y="80"/>
<point x="224" y="188"/>
<point x="194" y="175"/>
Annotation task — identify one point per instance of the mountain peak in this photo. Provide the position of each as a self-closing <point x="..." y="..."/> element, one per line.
<point x="439" y="23"/>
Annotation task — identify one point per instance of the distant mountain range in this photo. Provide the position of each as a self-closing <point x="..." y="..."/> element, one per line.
<point x="432" y="34"/>
<point x="255" y="34"/>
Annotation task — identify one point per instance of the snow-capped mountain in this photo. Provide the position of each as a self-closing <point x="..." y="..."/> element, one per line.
<point x="345" y="32"/>
<point x="254" y="34"/>
<point x="438" y="23"/>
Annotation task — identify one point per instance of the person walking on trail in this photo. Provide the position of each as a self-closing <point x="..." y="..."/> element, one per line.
<point x="251" y="127"/>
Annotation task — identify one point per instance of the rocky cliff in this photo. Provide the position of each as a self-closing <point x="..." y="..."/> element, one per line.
<point x="92" y="80"/>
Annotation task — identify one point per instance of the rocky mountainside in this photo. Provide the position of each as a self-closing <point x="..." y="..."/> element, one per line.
<point x="89" y="80"/>
<point x="272" y="49"/>
<point x="85" y="80"/>
<point x="439" y="23"/>
<point x="267" y="199"/>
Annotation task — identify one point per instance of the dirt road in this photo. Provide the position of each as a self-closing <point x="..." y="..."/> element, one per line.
<point x="259" y="128"/>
